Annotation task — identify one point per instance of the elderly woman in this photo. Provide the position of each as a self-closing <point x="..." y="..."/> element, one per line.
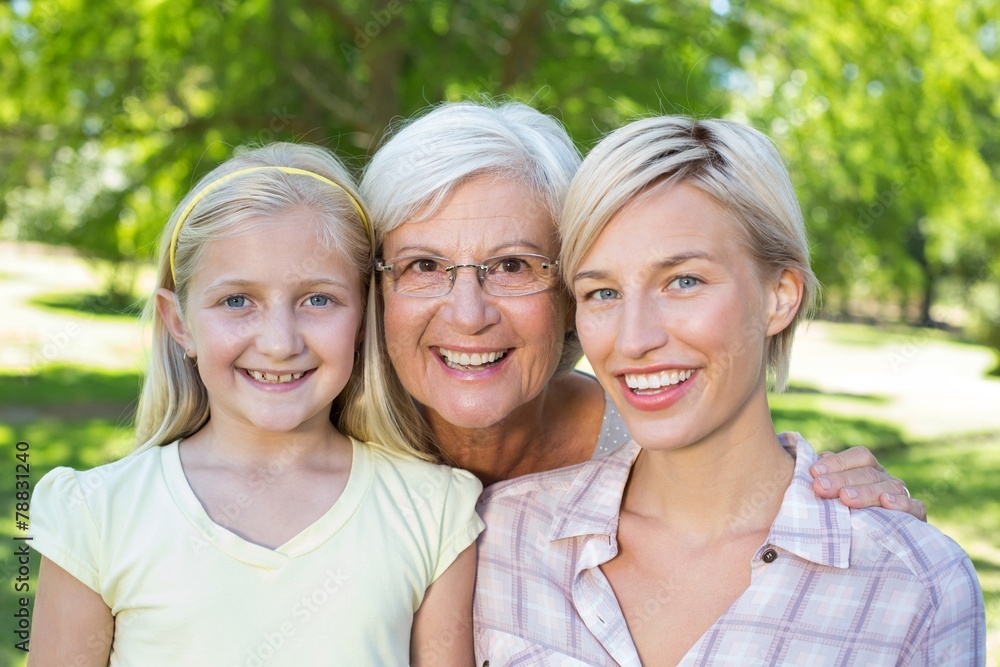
<point x="476" y="323"/>
<point x="702" y="542"/>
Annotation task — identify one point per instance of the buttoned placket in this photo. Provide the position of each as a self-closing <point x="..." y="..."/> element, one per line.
<point x="596" y="603"/>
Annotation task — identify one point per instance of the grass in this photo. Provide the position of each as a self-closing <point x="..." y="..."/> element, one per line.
<point x="90" y="304"/>
<point x="80" y="444"/>
<point x="67" y="385"/>
<point x="827" y="419"/>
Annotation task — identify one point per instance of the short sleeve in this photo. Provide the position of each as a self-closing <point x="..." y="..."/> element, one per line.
<point x="460" y="525"/>
<point x="62" y="527"/>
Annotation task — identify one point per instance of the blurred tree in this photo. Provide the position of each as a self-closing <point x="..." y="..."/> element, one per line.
<point x="888" y="115"/>
<point x="110" y="111"/>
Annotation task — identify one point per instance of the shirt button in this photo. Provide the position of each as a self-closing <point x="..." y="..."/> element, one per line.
<point x="769" y="556"/>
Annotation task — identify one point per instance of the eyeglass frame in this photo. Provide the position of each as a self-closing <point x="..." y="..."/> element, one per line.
<point x="481" y="270"/>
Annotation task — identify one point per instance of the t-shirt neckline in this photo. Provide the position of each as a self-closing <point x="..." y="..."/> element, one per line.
<point x="241" y="549"/>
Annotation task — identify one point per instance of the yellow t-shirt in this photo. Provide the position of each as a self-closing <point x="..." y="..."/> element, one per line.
<point x="185" y="591"/>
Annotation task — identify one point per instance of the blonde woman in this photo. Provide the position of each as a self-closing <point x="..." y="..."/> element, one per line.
<point x="701" y="542"/>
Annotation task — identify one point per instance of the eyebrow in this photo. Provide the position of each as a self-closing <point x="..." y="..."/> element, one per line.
<point x="503" y="247"/>
<point x="245" y="284"/>
<point x="665" y="263"/>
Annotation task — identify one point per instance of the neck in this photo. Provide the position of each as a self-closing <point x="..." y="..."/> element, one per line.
<point x="241" y="446"/>
<point x="728" y="484"/>
<point x="557" y="428"/>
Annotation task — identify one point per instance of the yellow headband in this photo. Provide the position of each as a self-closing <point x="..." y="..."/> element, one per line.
<point x="228" y="177"/>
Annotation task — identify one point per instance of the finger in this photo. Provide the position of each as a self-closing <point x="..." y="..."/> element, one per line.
<point x="866" y="476"/>
<point x="855" y="457"/>
<point x="893" y="501"/>
<point x="869" y="495"/>
<point x="831" y="484"/>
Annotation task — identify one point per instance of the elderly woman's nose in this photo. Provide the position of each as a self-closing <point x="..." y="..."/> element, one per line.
<point x="469" y="307"/>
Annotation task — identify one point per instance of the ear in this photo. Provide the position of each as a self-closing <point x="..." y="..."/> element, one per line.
<point x="169" y="308"/>
<point x="784" y="300"/>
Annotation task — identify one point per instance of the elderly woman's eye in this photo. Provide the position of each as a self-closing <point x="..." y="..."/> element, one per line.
<point x="511" y="265"/>
<point x="424" y="265"/>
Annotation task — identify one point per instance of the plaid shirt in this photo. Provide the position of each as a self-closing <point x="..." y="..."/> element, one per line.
<point x="831" y="586"/>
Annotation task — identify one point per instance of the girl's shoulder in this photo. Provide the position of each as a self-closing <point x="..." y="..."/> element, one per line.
<point x="130" y="474"/>
<point x="431" y="488"/>
<point x="410" y="470"/>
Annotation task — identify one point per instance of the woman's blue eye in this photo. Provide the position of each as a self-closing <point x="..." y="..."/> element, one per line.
<point x="685" y="282"/>
<point x="604" y="294"/>
<point x="319" y="300"/>
<point x="236" y="301"/>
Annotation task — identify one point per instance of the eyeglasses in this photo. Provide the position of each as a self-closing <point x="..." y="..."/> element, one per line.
<point x="504" y="275"/>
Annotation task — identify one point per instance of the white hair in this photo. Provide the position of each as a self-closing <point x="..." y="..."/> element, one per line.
<point x="424" y="159"/>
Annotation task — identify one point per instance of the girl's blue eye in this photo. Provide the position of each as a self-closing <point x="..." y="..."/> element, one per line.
<point x="236" y="301"/>
<point x="319" y="300"/>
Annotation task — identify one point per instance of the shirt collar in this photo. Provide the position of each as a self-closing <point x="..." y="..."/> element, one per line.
<point x="592" y="501"/>
<point x="810" y="527"/>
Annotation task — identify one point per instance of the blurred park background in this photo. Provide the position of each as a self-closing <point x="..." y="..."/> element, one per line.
<point x="887" y="113"/>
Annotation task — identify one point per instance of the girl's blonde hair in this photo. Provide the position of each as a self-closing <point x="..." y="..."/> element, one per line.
<point x="732" y="163"/>
<point x="174" y="402"/>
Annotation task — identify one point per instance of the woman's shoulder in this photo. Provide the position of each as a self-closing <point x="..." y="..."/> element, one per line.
<point x="559" y="491"/>
<point x="922" y="548"/>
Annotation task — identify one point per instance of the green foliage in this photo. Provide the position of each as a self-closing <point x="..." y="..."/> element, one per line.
<point x="110" y="111"/>
<point x="885" y="113"/>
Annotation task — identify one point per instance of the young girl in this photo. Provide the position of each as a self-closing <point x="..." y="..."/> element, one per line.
<point x="252" y="526"/>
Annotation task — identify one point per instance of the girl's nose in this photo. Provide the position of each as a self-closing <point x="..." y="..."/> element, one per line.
<point x="278" y="335"/>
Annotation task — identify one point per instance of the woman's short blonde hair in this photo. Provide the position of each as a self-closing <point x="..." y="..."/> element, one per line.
<point x="734" y="164"/>
<point x="174" y="401"/>
<point x="424" y="159"/>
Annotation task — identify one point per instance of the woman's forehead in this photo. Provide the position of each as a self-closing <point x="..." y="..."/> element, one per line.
<point x="483" y="215"/>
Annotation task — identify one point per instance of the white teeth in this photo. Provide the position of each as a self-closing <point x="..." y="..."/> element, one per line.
<point x="657" y="380"/>
<point x="274" y="379"/>
<point x="455" y="359"/>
